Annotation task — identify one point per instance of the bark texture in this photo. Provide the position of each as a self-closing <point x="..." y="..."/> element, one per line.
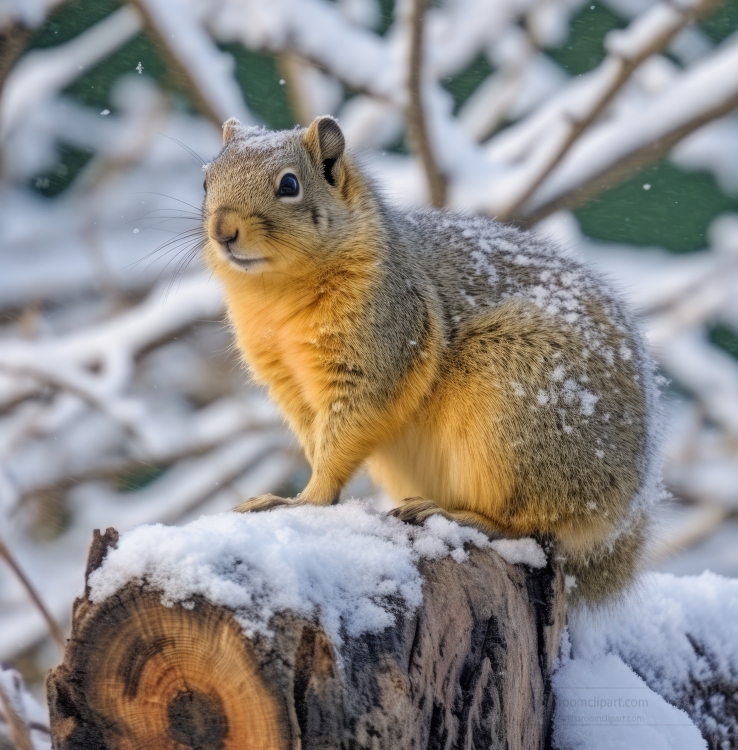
<point x="468" y="669"/>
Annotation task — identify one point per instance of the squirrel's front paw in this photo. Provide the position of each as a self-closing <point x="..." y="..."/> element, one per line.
<point x="265" y="502"/>
<point x="416" y="510"/>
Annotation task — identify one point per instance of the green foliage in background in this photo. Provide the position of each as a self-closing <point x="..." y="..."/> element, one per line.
<point x="258" y="76"/>
<point x="724" y="338"/>
<point x="583" y="49"/>
<point x="72" y="18"/>
<point x="462" y="85"/>
<point x="720" y="24"/>
<point x="659" y="206"/>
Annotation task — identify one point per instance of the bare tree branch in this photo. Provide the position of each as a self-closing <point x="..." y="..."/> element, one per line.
<point x="417" y="125"/>
<point x="13" y="38"/>
<point x="54" y="628"/>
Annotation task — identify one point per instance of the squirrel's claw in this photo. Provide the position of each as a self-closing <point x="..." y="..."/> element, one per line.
<point x="416" y="510"/>
<point x="265" y="502"/>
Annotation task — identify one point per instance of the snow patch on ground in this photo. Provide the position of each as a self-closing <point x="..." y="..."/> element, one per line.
<point x="601" y="703"/>
<point x="655" y="671"/>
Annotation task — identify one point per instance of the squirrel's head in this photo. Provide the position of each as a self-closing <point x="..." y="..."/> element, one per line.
<point x="277" y="200"/>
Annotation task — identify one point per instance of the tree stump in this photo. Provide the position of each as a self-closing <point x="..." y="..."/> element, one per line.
<point x="467" y="668"/>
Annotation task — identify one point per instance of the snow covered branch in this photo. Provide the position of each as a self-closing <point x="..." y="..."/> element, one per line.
<point x="22" y="720"/>
<point x="178" y="29"/>
<point x="634" y="138"/>
<point x="41" y="74"/>
<point x="586" y="101"/>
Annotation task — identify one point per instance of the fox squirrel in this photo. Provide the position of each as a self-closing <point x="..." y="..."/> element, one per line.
<point x="479" y="372"/>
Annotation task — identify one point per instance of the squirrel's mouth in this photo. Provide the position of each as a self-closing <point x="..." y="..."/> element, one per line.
<point x="245" y="264"/>
<point x="227" y="251"/>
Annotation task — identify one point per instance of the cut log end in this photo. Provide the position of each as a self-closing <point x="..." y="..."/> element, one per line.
<point x="161" y="677"/>
<point x="469" y="667"/>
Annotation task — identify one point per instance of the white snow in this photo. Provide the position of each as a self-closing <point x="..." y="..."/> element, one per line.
<point x="518" y="389"/>
<point x="520" y="551"/>
<point x="601" y="703"/>
<point x="635" y="41"/>
<point x="672" y="643"/>
<point x="26" y="708"/>
<point x="347" y="565"/>
<point x="714" y="147"/>
<point x="558" y="374"/>
<point x="98" y="403"/>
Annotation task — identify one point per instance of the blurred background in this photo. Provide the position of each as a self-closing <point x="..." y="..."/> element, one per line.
<point x="607" y="125"/>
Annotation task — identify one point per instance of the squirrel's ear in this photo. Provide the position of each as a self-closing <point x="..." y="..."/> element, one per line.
<point x="229" y="129"/>
<point x="326" y="143"/>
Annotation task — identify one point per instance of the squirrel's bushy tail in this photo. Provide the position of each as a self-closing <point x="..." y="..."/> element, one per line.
<point x="604" y="573"/>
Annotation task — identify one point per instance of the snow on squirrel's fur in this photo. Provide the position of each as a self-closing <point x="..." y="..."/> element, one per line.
<point x="345" y="564"/>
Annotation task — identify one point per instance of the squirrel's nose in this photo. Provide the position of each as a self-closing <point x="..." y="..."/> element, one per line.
<point x="226" y="239"/>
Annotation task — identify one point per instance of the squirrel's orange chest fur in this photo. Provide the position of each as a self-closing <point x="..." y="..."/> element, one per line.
<point x="277" y="335"/>
<point x="287" y="333"/>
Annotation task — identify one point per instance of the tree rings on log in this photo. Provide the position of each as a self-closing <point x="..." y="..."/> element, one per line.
<point x="161" y="678"/>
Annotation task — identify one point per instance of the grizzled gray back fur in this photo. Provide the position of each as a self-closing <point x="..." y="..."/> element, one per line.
<point x="591" y="431"/>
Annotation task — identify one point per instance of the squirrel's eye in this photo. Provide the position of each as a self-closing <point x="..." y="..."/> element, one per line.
<point x="289" y="185"/>
<point x="205" y="185"/>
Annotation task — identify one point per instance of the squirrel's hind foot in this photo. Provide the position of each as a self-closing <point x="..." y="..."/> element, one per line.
<point x="416" y="510"/>
<point x="266" y="502"/>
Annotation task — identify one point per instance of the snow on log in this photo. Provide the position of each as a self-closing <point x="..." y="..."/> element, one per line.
<point x="310" y="628"/>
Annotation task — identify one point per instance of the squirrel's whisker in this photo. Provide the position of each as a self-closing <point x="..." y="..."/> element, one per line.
<point x="185" y="215"/>
<point x="176" y="258"/>
<point x="182" y="238"/>
<point x="182" y="266"/>
<point x="187" y="148"/>
<point x="164" y="195"/>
